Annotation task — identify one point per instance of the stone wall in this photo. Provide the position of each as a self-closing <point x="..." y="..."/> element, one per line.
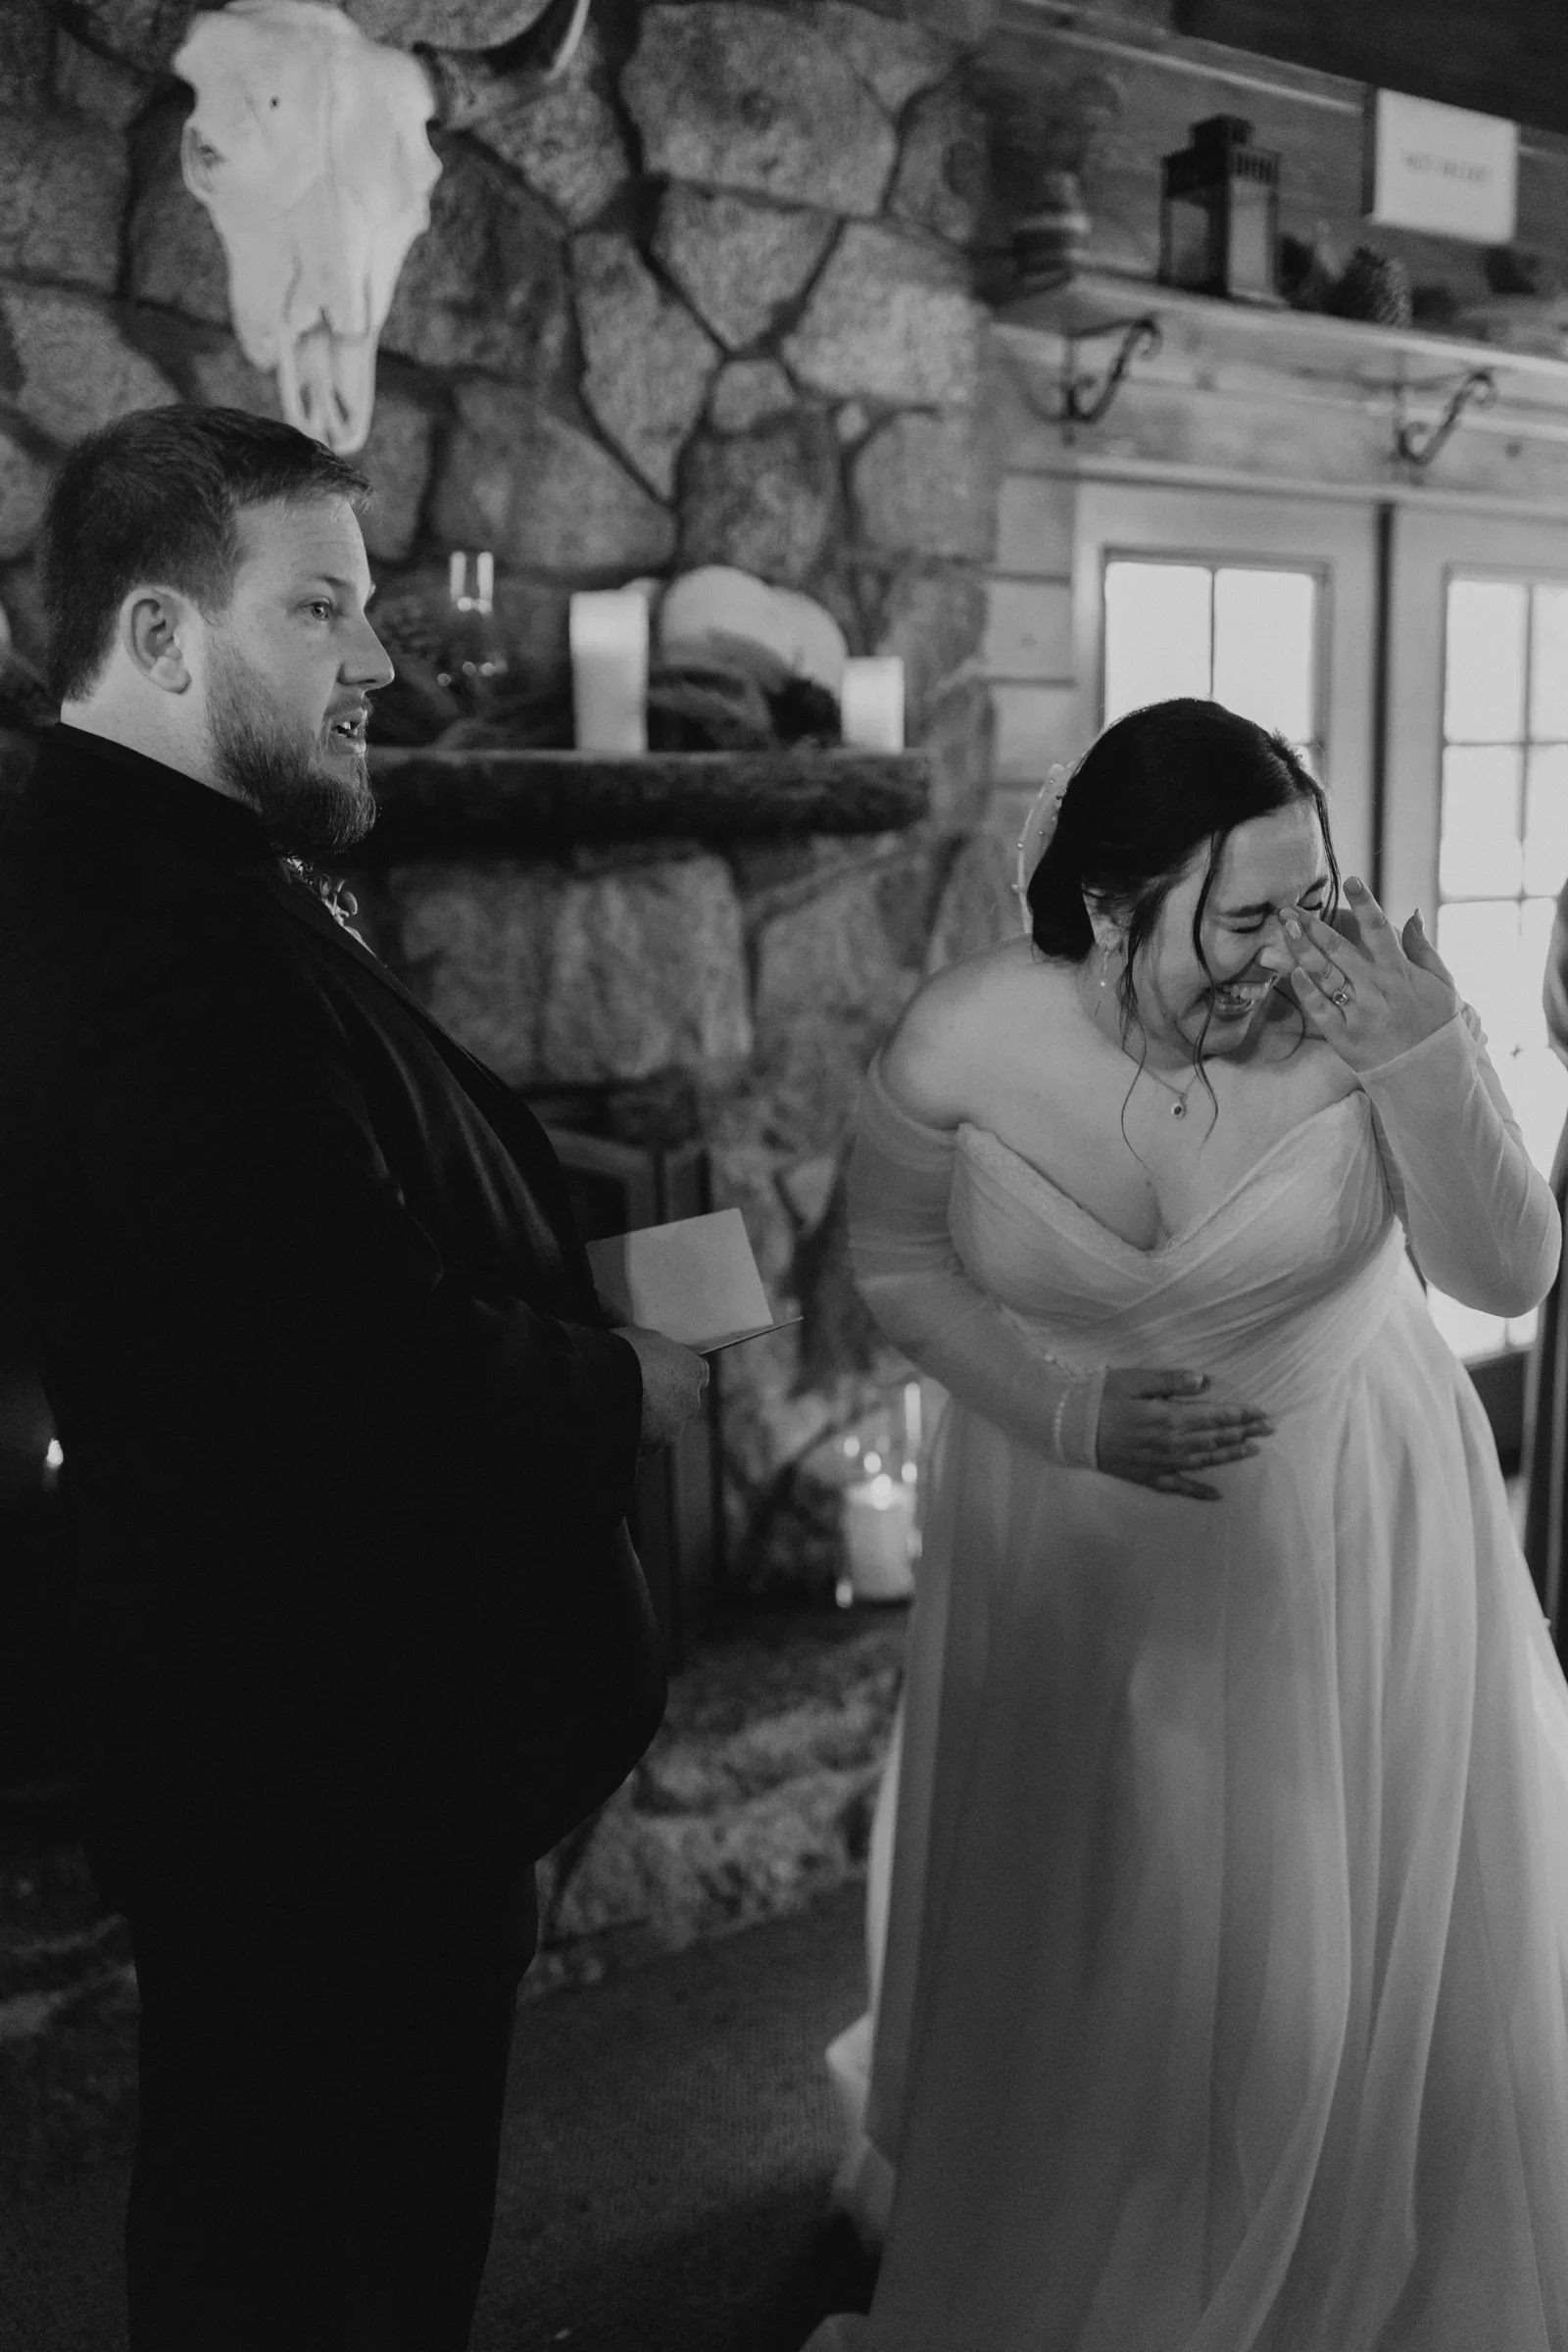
<point x="708" y="300"/>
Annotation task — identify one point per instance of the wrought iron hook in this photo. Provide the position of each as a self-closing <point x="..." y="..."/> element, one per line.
<point x="1081" y="402"/>
<point x="1478" y="389"/>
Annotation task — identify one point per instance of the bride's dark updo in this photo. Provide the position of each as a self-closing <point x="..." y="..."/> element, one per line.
<point x="1154" y="789"/>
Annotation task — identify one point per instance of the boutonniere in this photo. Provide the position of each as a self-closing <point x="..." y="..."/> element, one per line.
<point x="340" y="904"/>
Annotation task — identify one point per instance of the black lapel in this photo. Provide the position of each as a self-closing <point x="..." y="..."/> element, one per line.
<point x="302" y="903"/>
<point x="512" y="1121"/>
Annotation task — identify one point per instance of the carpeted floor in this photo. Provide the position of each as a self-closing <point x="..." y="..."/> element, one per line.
<point x="671" y="2135"/>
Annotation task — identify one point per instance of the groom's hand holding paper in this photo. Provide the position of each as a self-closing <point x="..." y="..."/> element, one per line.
<point x="695" y="1280"/>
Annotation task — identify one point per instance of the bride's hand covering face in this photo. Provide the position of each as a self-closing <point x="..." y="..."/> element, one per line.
<point x="1370" y="992"/>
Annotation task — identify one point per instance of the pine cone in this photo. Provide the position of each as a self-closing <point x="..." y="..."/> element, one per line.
<point x="1375" y="286"/>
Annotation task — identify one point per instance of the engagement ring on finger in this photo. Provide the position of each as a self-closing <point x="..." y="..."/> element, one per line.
<point x="1342" y="996"/>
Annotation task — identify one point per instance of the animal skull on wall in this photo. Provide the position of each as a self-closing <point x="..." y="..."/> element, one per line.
<point x="307" y="147"/>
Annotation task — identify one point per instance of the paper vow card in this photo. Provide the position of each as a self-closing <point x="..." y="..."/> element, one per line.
<point x="696" y="1280"/>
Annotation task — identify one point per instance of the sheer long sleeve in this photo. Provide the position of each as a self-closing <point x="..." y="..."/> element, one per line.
<point x="1554" y="983"/>
<point x="916" y="1286"/>
<point x="1482" y="1222"/>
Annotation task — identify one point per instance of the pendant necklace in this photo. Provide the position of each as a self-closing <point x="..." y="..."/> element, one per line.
<point x="1178" y="1110"/>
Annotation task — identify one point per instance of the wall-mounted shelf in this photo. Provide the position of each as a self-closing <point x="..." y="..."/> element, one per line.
<point x="540" y="803"/>
<point x="1085" y="341"/>
<point x="1308" y="342"/>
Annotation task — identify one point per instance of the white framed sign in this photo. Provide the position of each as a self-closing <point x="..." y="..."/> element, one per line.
<point x="1441" y="168"/>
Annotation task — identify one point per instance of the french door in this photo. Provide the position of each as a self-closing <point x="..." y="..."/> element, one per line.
<point x="1269" y="604"/>
<point x="1442" y="630"/>
<point x="1476" y="810"/>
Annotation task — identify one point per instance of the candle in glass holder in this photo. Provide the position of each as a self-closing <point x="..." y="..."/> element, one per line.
<point x="474" y="660"/>
<point x="879" y="1537"/>
<point x="871" y="702"/>
<point x="610" y="670"/>
<point x="472" y="591"/>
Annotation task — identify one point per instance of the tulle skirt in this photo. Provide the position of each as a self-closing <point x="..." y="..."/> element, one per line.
<point x="1219" y="1904"/>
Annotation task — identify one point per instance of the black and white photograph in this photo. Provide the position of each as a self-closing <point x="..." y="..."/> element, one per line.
<point x="783" y="1152"/>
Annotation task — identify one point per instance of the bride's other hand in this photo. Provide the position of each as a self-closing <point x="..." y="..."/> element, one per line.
<point x="1372" y="992"/>
<point x="1159" y="1429"/>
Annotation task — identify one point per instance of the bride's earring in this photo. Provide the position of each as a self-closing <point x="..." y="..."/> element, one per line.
<point x="1105" y="965"/>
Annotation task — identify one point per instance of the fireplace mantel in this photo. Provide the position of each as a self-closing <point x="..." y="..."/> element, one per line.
<point x="541" y="804"/>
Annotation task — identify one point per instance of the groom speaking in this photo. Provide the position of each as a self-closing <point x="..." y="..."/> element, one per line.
<point x="349" y="1438"/>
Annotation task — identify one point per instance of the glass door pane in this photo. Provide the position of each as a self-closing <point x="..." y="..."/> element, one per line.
<point x="1245" y="635"/>
<point x="1159" y="635"/>
<point x="1268" y="603"/>
<point x="1502" y="854"/>
<point x="1265" y="649"/>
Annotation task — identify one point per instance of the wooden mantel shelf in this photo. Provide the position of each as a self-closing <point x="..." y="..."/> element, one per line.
<point x="1080" y="332"/>
<point x="539" y="804"/>
<point x="1381" y="358"/>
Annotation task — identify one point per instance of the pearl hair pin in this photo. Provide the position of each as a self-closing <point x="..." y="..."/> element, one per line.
<point x="1035" y="839"/>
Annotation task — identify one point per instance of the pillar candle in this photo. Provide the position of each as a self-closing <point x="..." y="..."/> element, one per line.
<point x="879" y="1537"/>
<point x="610" y="670"/>
<point x="871" y="702"/>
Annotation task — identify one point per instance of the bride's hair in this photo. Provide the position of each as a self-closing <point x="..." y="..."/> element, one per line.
<point x="1148" y="795"/>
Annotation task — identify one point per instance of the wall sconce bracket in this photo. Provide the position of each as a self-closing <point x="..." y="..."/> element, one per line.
<point x="1418" y="445"/>
<point x="1081" y="402"/>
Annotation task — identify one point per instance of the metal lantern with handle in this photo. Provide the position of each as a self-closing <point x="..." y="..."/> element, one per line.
<point x="1219" y="214"/>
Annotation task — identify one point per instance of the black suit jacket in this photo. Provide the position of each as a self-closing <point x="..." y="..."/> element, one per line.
<point x="342" y="1417"/>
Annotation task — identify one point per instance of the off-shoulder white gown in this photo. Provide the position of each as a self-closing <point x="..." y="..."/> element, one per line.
<point x="1224" y="2005"/>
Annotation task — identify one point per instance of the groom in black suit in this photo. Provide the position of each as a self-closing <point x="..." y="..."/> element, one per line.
<point x="349" y="1438"/>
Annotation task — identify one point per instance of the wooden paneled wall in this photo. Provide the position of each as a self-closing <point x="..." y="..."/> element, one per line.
<point x="1266" y="417"/>
<point x="1165" y="81"/>
<point x="1029" y="639"/>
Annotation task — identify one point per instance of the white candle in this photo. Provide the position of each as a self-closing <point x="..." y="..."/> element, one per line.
<point x="480" y="598"/>
<point x="610" y="670"/>
<point x="871" y="702"/>
<point x="912" y="1418"/>
<point x="879" y="1538"/>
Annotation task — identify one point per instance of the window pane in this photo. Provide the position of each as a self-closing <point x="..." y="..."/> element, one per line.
<point x="1158" y="634"/>
<point x="1547" y="818"/>
<point x="1548" y="663"/>
<point x="1479" y="856"/>
<point x="1497" y="951"/>
<point x="1484" y="700"/>
<point x="1265" y="641"/>
<point x="1479" y="942"/>
<point x="1538" y="1086"/>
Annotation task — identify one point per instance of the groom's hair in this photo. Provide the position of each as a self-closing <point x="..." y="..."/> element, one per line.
<point x="153" y="498"/>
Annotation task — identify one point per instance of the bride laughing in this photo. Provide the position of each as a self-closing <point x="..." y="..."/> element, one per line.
<point x="1219" y="1972"/>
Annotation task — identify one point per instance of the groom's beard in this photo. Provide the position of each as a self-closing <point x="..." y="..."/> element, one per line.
<point x="313" y="800"/>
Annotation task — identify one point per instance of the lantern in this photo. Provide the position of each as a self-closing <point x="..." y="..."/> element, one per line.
<point x="1219" y="214"/>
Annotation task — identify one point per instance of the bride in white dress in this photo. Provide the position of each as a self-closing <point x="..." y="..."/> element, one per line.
<point x="1221" y="1981"/>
